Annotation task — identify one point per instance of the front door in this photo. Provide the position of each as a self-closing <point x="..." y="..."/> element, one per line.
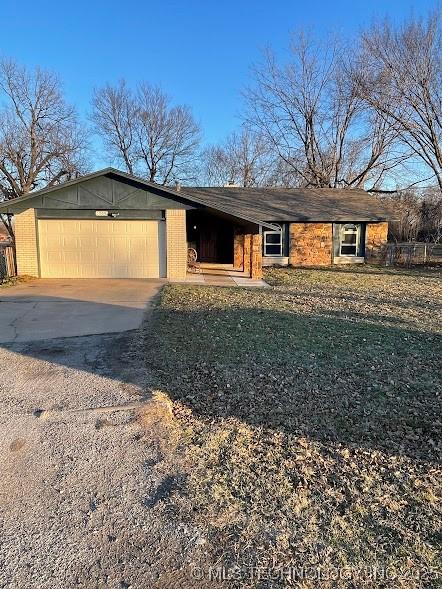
<point x="208" y="246"/>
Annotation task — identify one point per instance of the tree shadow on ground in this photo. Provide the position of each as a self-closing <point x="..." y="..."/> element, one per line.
<point x="375" y="300"/>
<point x="350" y="379"/>
<point x="334" y="379"/>
<point x="430" y="271"/>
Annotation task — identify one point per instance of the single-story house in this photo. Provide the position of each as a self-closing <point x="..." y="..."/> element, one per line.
<point x="110" y="224"/>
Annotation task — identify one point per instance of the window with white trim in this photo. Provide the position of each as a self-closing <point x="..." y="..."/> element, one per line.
<point x="349" y="239"/>
<point x="273" y="243"/>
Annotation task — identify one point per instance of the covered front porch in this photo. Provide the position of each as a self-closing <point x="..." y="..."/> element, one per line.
<point x="222" y="246"/>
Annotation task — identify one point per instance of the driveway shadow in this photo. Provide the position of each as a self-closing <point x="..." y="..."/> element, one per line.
<point x="25" y="318"/>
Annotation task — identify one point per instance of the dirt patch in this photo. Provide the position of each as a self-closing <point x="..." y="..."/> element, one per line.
<point x="17" y="444"/>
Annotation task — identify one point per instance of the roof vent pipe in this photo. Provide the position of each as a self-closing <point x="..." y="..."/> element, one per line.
<point x="177" y="185"/>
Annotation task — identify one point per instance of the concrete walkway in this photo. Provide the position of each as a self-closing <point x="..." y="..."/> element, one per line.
<point x="222" y="275"/>
<point x="217" y="280"/>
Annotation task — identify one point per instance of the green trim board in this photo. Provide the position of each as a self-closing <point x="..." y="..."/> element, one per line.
<point x="97" y="214"/>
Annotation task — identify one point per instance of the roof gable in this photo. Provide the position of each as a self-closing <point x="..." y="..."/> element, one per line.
<point x="107" y="189"/>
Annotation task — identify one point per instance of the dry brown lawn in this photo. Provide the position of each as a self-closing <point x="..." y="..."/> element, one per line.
<point x="306" y="425"/>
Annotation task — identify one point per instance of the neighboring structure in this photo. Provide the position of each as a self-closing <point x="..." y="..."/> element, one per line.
<point x="4" y="235"/>
<point x="110" y="224"/>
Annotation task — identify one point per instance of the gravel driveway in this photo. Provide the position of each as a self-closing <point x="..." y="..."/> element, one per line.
<point x="79" y="501"/>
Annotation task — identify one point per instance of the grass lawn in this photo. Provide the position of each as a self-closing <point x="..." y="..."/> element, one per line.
<point x="306" y="423"/>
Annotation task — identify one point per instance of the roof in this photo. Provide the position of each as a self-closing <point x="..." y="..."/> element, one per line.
<point x="179" y="195"/>
<point x="297" y="204"/>
<point x="256" y="205"/>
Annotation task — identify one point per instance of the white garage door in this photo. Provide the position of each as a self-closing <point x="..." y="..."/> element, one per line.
<point x="101" y="249"/>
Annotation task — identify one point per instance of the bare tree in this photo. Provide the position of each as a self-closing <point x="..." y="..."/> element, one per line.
<point x="245" y="158"/>
<point x="419" y="215"/>
<point x="310" y="112"/>
<point x="401" y="78"/>
<point x="168" y="136"/>
<point x="41" y="141"/>
<point x="146" y="133"/>
<point x="115" y="115"/>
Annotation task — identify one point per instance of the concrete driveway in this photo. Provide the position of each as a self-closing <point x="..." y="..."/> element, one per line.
<point x="51" y="308"/>
<point x="81" y="484"/>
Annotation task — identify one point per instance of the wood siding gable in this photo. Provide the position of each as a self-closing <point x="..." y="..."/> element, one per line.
<point x="102" y="192"/>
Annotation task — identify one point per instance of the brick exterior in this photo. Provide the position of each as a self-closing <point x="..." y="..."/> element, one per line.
<point x="247" y="253"/>
<point x="238" y="250"/>
<point x="376" y="235"/>
<point x="256" y="257"/>
<point x="25" y="227"/>
<point x="311" y="244"/>
<point x="176" y="243"/>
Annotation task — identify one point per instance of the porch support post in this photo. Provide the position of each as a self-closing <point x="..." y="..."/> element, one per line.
<point x="256" y="256"/>
<point x="238" y="250"/>
<point x="247" y="253"/>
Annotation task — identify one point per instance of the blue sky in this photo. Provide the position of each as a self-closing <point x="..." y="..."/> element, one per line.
<point x="199" y="52"/>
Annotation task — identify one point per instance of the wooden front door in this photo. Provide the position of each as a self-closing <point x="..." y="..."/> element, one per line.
<point x="208" y="246"/>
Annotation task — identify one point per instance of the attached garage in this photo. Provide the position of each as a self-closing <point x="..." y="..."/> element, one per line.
<point x="101" y="248"/>
<point x="104" y="225"/>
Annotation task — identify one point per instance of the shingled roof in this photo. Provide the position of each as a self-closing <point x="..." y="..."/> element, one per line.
<point x="256" y="205"/>
<point x="295" y="204"/>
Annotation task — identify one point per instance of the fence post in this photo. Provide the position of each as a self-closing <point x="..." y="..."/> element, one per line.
<point x="8" y="267"/>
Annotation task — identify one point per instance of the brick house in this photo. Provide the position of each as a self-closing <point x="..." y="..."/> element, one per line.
<point x="307" y="227"/>
<point x="110" y="224"/>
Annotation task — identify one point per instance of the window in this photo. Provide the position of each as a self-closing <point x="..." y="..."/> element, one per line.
<point x="273" y="243"/>
<point x="349" y="242"/>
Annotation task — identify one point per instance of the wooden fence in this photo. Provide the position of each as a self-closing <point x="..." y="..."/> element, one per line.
<point x="7" y="262"/>
<point x="410" y="254"/>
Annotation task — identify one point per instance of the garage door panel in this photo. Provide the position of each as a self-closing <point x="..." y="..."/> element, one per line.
<point x="100" y="249"/>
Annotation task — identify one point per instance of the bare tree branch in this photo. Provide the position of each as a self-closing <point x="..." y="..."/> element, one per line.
<point x="148" y="135"/>
<point x="41" y="141"/>
<point x="310" y="112"/>
<point x="245" y="159"/>
<point x="400" y="76"/>
<point x="114" y="115"/>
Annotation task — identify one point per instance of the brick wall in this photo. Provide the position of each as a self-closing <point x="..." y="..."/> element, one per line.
<point x="247" y="254"/>
<point x="310" y="244"/>
<point x="25" y="227"/>
<point x="176" y="243"/>
<point x="375" y="241"/>
<point x="256" y="257"/>
<point x="238" y="250"/>
<point x="247" y="249"/>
